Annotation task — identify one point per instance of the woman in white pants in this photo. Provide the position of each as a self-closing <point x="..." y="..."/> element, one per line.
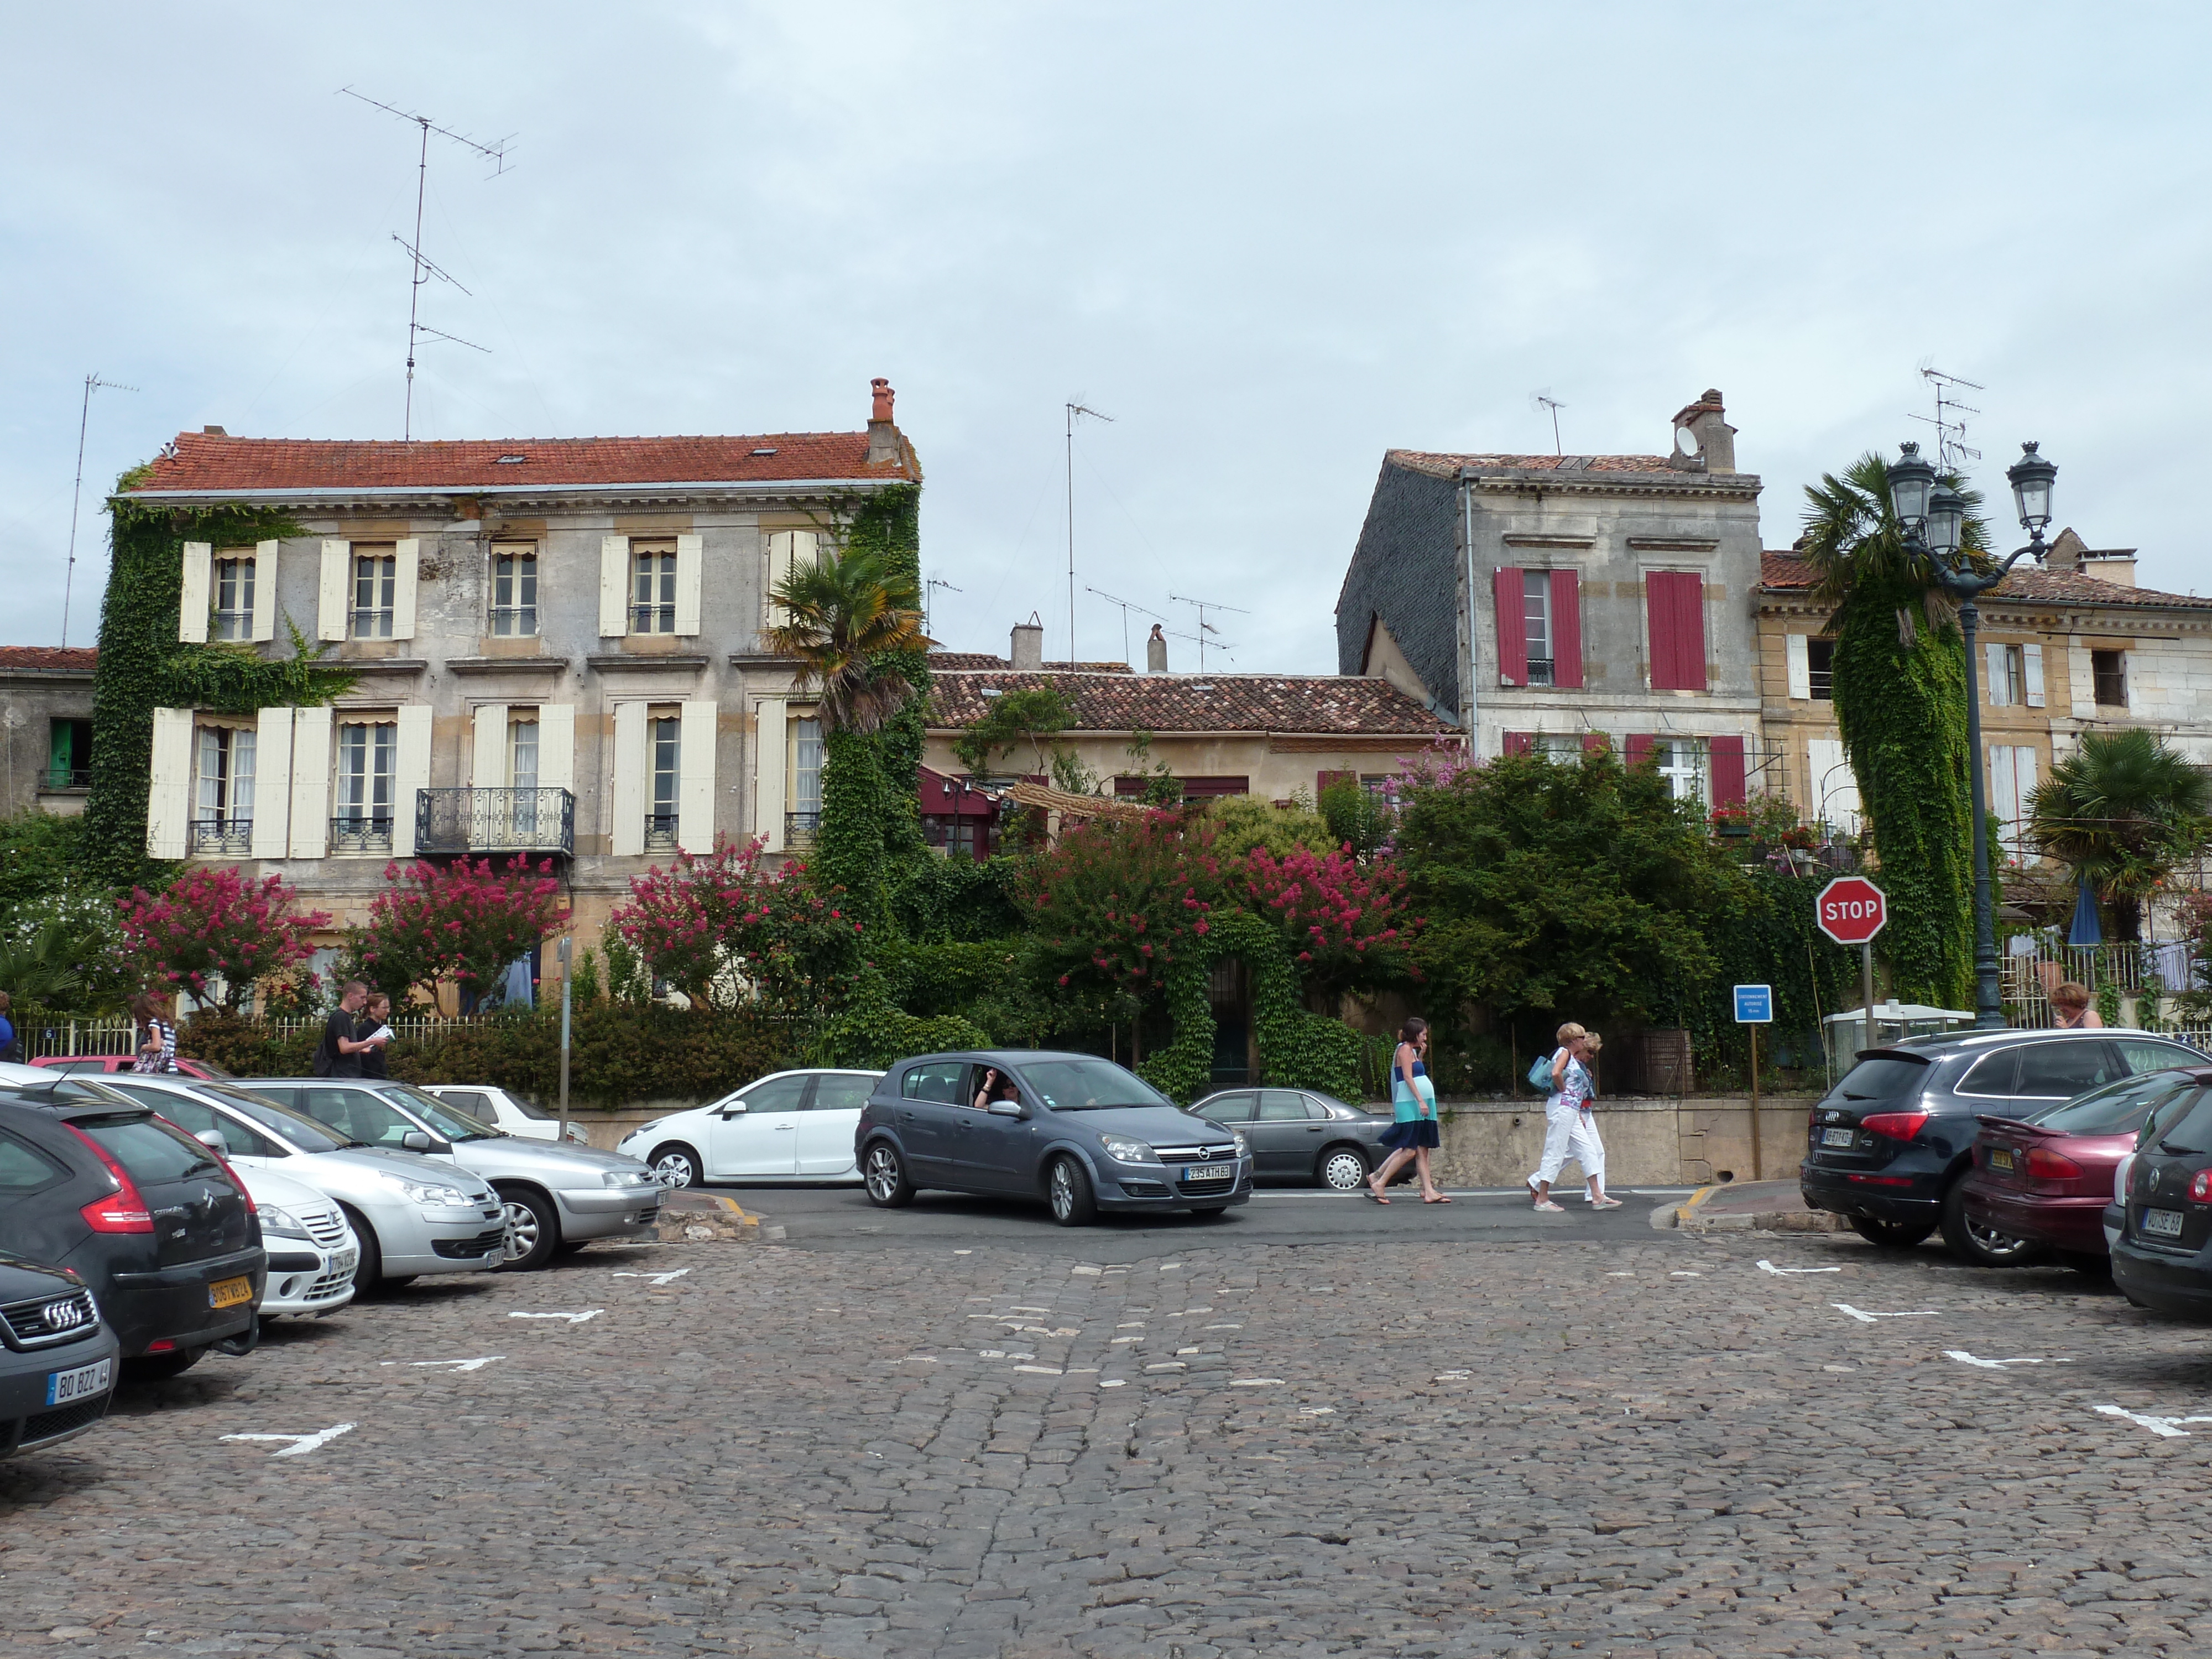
<point x="1570" y="1132"/>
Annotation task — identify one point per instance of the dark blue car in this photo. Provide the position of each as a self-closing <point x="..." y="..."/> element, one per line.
<point x="1081" y="1133"/>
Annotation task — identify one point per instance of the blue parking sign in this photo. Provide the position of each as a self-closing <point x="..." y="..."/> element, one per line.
<point x="1754" y="1005"/>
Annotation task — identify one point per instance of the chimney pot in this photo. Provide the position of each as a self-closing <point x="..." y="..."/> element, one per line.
<point x="883" y="445"/>
<point x="884" y="396"/>
<point x="1027" y="649"/>
<point x="213" y="432"/>
<point x="1155" y="652"/>
<point x="1704" y="441"/>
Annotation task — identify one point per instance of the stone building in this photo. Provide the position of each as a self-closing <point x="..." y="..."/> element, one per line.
<point x="1562" y="601"/>
<point x="559" y="646"/>
<point x="45" y="729"/>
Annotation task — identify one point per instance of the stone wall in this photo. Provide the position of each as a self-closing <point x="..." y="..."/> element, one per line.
<point x="1687" y="1142"/>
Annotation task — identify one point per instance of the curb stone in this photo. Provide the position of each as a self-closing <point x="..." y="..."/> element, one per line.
<point x="695" y="1217"/>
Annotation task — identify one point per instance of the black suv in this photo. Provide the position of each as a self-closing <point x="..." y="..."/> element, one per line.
<point x="1887" y="1146"/>
<point x="2163" y="1259"/>
<point x="1079" y="1132"/>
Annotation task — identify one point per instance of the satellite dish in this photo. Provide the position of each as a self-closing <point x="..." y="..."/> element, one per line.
<point x="1686" y="441"/>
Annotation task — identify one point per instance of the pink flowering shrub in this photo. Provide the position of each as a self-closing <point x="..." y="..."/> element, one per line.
<point x="724" y="930"/>
<point x="1344" y="923"/>
<point x="214" y="925"/>
<point x="463" y="922"/>
<point x="1117" y="900"/>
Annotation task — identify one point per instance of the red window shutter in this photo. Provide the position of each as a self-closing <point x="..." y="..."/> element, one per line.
<point x="1674" y="600"/>
<point x="1512" y="625"/>
<point x="1323" y="780"/>
<point x="1519" y="743"/>
<point x="1727" y="760"/>
<point x="1566" y="629"/>
<point x="1595" y="743"/>
<point x="1639" y="748"/>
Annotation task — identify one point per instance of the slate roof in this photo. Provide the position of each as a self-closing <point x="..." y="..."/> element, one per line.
<point x="941" y="661"/>
<point x="1449" y="466"/>
<point x="51" y="659"/>
<point x="213" y="461"/>
<point x="1335" y="705"/>
<point x="2026" y="584"/>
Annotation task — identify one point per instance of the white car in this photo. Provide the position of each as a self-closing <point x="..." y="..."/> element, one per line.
<point x="502" y="1110"/>
<point x="313" y="1253"/>
<point x="788" y="1126"/>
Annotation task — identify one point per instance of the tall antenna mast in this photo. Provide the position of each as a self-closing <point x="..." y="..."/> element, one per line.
<point x="1206" y="627"/>
<point x="1547" y="404"/>
<point x="1127" y="605"/>
<point x="1074" y="410"/>
<point x="1950" y="434"/>
<point x="92" y="384"/>
<point x="929" y="594"/>
<point x="424" y="270"/>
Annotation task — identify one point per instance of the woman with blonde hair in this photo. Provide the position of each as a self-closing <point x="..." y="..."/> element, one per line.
<point x="2070" y="1010"/>
<point x="1570" y="1132"/>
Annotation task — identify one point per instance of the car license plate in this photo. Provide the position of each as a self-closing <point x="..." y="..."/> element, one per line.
<point x="2162" y="1223"/>
<point x="1210" y="1172"/>
<point x="83" y="1383"/>
<point x="1837" y="1137"/>
<point x="2001" y="1157"/>
<point x="345" y="1261"/>
<point x="229" y="1292"/>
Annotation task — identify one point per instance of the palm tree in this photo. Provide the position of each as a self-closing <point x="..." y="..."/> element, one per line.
<point x="844" y="614"/>
<point x="43" y="966"/>
<point x="2123" y="810"/>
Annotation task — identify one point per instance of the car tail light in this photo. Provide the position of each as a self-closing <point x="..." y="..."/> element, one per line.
<point x="122" y="1211"/>
<point x="2047" y="1165"/>
<point x="1897" y="1125"/>
<point x="2200" y="1187"/>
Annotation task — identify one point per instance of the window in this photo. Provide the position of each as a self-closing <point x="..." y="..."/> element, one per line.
<point x="1681" y="761"/>
<point x="522" y="776"/>
<point x="23" y="1171"/>
<point x="233" y="598"/>
<point x="69" y="755"/>
<point x="2118" y="1109"/>
<point x="805" y="817"/>
<point x="2142" y="1054"/>
<point x="841" y="1091"/>
<point x="375" y="583"/>
<point x="939" y="1080"/>
<point x="2007" y="677"/>
<point x="2012" y="768"/>
<point x="1992" y="1075"/>
<point x="1283" y="1106"/>
<point x="1820" y="665"/>
<point x="2062" y="1070"/>
<point x="958" y="837"/>
<point x="653" y="588"/>
<point x="364" y="823"/>
<point x="1674" y="605"/>
<point x="1536" y="587"/>
<point x="222" y="809"/>
<point x="666" y="734"/>
<point x="2108" y="675"/>
<point x="1230" y="1109"/>
<point x="1560" y="748"/>
<point x="514" y="591"/>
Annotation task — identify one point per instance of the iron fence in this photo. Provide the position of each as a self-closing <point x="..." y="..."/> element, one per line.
<point x="495" y="820"/>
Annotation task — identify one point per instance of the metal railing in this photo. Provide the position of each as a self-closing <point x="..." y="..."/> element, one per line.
<point x="362" y="832"/>
<point x="660" y="832"/>
<point x="514" y="620"/>
<point x="1539" y="670"/>
<point x="372" y="624"/>
<point x="799" y="828"/>
<point x="67" y="777"/>
<point x="653" y="618"/>
<point x="496" y="821"/>
<point x="233" y="835"/>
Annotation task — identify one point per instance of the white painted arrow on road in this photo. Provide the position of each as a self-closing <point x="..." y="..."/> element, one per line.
<point x="658" y="1279"/>
<point x="1865" y="1318"/>
<point x="1965" y="1358"/>
<point x="301" y="1444"/>
<point x="2158" y="1425"/>
<point x="572" y="1318"/>
<point x="1770" y="1267"/>
<point x="457" y="1364"/>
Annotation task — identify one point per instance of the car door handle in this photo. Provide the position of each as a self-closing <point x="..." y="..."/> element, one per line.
<point x="785" y="1128"/>
<point x="1315" y="1128"/>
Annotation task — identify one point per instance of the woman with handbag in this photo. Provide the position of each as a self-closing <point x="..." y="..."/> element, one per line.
<point x="157" y="1036"/>
<point x="1414" y="1103"/>
<point x="1570" y="1132"/>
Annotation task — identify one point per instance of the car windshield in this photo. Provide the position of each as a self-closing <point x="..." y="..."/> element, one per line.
<point x="297" y="1128"/>
<point x="2118" y="1109"/>
<point x="1089" y="1085"/>
<point x="1881" y="1077"/>
<point x="452" y="1124"/>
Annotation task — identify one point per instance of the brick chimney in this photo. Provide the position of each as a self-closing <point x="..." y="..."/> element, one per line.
<point x="1704" y="441"/>
<point x="883" y="432"/>
<point x="1027" y="649"/>
<point x="2066" y="550"/>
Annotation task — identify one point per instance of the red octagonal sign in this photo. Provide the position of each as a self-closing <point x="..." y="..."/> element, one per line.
<point x="1850" y="910"/>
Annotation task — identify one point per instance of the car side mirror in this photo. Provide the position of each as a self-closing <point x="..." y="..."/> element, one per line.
<point x="213" y="1141"/>
<point x="415" y="1141"/>
<point x="1007" y="1109"/>
<point x="733" y="1110"/>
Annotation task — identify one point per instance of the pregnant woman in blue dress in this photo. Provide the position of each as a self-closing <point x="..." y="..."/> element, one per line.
<point x="1414" y="1103"/>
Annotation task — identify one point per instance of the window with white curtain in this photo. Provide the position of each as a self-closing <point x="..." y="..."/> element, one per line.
<point x="366" y="751"/>
<point x="222" y="809"/>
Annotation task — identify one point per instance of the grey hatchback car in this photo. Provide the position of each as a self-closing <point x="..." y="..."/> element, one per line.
<point x="1079" y="1132"/>
<point x="1299" y="1135"/>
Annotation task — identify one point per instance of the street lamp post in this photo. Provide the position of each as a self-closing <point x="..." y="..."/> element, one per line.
<point x="1933" y="518"/>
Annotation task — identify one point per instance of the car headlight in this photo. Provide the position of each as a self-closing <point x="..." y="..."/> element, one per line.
<point x="639" y="1132"/>
<point x="429" y="1195"/>
<point x="279" y="1222"/>
<point x="1242" y="1149"/>
<point x="629" y="1178"/>
<point x="1122" y="1150"/>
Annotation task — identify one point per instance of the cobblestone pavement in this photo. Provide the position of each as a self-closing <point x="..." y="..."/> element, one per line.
<point x="1624" y="1446"/>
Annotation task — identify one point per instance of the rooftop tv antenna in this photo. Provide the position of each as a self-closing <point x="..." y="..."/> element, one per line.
<point x="1950" y="434"/>
<point x="1127" y="605"/>
<point x="495" y="153"/>
<point x="929" y="594"/>
<point x="92" y="383"/>
<point x="1206" y="627"/>
<point x="1545" y="403"/>
<point x="1197" y="641"/>
<point x="1074" y="409"/>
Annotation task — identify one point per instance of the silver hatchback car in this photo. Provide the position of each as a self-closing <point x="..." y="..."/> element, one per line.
<point x="1302" y="1134"/>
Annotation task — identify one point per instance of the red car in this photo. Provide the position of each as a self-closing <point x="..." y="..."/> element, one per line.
<point x="93" y="1064"/>
<point x="2039" y="1186"/>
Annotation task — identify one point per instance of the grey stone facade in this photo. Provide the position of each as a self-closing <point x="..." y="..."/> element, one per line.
<point x="46" y="718"/>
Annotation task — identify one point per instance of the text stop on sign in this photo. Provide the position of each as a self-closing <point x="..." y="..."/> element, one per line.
<point x="1850" y="910"/>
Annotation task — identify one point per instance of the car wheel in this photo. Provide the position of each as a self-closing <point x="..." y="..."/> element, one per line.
<point x="1890" y="1235"/>
<point x="884" y="1172"/>
<point x="159" y="1367"/>
<point x="533" y="1230"/>
<point x="677" y="1165"/>
<point x="1342" y="1169"/>
<point x="368" y="1272"/>
<point x="1067" y="1187"/>
<point x="1976" y="1242"/>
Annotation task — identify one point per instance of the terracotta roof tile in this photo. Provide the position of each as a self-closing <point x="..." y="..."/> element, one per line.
<point x="210" y="461"/>
<point x="1786" y="570"/>
<point x="76" y="659"/>
<point x="2023" y="582"/>
<point x="1326" y="704"/>
<point x="941" y="661"/>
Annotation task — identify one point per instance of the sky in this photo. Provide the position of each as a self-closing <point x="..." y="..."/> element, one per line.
<point x="1270" y="242"/>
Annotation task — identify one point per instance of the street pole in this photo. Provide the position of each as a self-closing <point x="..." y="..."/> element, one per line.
<point x="1754" y="1102"/>
<point x="560" y="1135"/>
<point x="1988" y="1003"/>
<point x="1866" y="984"/>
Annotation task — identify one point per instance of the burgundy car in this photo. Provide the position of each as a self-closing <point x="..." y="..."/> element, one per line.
<point x="2040" y="1185"/>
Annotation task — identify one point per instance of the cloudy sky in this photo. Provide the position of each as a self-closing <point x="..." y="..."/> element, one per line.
<point x="1270" y="241"/>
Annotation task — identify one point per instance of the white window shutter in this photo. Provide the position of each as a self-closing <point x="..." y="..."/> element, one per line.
<point x="272" y="783"/>
<point x="410" y="771"/>
<point x="192" y="603"/>
<point x="690" y="560"/>
<point x="407" y="562"/>
<point x="2081" y="682"/>
<point x="2004" y="791"/>
<point x="2032" y="654"/>
<point x="788" y="549"/>
<point x="627" y="795"/>
<point x="169" y="780"/>
<point x="695" y="786"/>
<point x="557" y="746"/>
<point x="1796" y="652"/>
<point x="614" y="591"/>
<point x="488" y="769"/>
<point x="264" y="590"/>
<point x="311" y="783"/>
<point x="1993" y="661"/>
<point x="769" y="771"/>
<point x="335" y="596"/>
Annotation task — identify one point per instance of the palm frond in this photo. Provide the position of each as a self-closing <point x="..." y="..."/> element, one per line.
<point x="1852" y="534"/>
<point x="843" y="613"/>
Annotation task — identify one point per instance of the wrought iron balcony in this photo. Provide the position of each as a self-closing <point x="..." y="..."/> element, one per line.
<point x="1539" y="670"/>
<point x="230" y="836"/>
<point x="660" y="832"/>
<point x="67" y="777"/>
<point x="362" y="832"/>
<point x="799" y="828"/>
<point x="495" y="820"/>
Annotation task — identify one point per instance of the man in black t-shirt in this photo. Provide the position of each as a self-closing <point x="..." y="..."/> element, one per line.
<point x="339" y="1054"/>
<point x="378" y="1019"/>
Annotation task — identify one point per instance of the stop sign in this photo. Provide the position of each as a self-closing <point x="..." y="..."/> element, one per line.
<point x="1850" y="910"/>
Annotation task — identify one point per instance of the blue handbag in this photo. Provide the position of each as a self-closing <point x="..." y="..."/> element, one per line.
<point x="1540" y="1074"/>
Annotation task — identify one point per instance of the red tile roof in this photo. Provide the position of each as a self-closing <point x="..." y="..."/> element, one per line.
<point x="1449" y="466"/>
<point x="1336" y="705"/>
<point x="53" y="659"/>
<point x="211" y="461"/>
<point x="2024" y="582"/>
<point x="955" y="660"/>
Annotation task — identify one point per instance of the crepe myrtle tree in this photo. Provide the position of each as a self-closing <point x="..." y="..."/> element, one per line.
<point x="465" y="923"/>
<point x="214" y="934"/>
